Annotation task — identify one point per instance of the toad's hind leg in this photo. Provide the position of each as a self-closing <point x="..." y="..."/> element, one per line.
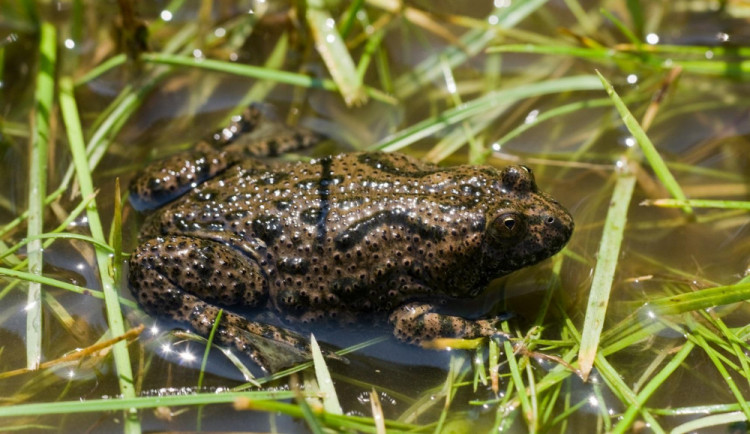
<point x="418" y="322"/>
<point x="191" y="279"/>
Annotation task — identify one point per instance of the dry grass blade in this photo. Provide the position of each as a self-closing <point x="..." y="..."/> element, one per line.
<point x="334" y="53"/>
<point x="377" y="412"/>
<point x="330" y="398"/>
<point x="78" y="354"/>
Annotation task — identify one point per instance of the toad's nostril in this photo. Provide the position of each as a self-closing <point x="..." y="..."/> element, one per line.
<point x="550" y="220"/>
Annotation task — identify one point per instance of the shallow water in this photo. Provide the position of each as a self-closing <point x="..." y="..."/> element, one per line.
<point x="701" y="128"/>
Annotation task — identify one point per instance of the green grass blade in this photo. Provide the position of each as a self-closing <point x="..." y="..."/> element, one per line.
<point x="609" y="251"/>
<point x="63" y="235"/>
<point x="347" y="20"/>
<point x="698" y="203"/>
<point x="636" y="16"/>
<point x="44" y="97"/>
<point x="696" y="300"/>
<point x="601" y="54"/>
<point x="60" y="284"/>
<point x="623" y="28"/>
<point x="102" y="68"/>
<point x="111" y="300"/>
<point x="207" y="350"/>
<point x="480" y="105"/>
<point x="102" y="405"/>
<point x="256" y="72"/>
<point x="204" y="361"/>
<point x="718" y="421"/>
<point x="647" y="147"/>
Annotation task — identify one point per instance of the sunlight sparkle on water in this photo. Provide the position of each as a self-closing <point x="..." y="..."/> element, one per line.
<point x="165" y="15"/>
<point x="166" y="348"/>
<point x="187" y="357"/>
<point x="220" y="32"/>
<point x="450" y="84"/>
<point x="502" y="3"/>
<point x="154" y="330"/>
<point x="652" y="38"/>
<point x="70" y="44"/>
<point x="593" y="401"/>
<point x="531" y="117"/>
<point x="632" y="79"/>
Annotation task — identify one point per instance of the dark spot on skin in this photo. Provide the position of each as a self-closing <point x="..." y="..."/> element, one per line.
<point x="267" y="228"/>
<point x="311" y="216"/>
<point x="294" y="266"/>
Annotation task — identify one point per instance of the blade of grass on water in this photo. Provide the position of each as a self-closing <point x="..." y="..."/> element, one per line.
<point x="44" y="97"/>
<point x="69" y="110"/>
<point x="647" y="147"/>
<point x="697" y="300"/>
<point x="103" y="405"/>
<point x="626" y="421"/>
<point x="609" y="251"/>
<point x="698" y="203"/>
<point x="704" y="424"/>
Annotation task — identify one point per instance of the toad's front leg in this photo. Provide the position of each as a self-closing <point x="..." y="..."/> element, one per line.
<point x="191" y="279"/>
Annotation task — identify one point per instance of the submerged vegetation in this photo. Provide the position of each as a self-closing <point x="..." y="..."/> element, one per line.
<point x="632" y="113"/>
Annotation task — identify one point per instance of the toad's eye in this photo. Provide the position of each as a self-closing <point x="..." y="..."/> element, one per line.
<point x="507" y="226"/>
